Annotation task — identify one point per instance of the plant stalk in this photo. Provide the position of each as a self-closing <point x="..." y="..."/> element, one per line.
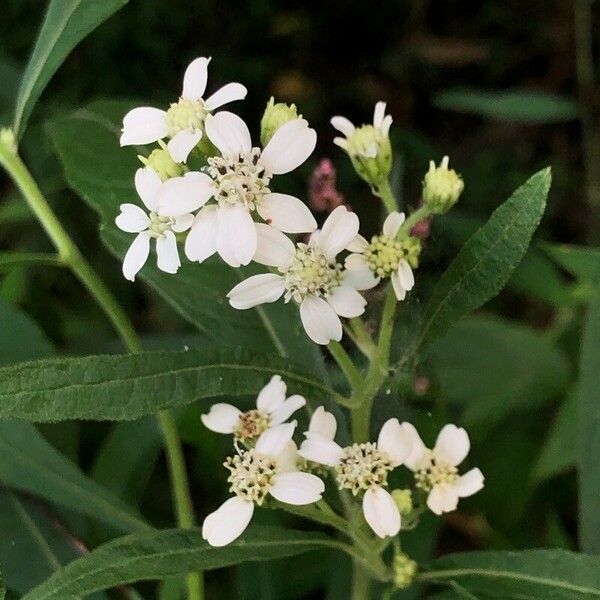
<point x="71" y="256"/>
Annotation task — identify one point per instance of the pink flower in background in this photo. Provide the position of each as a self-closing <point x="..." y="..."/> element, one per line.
<point x="321" y="188"/>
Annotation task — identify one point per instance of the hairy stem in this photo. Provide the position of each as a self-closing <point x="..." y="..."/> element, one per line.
<point x="71" y="256"/>
<point x="384" y="191"/>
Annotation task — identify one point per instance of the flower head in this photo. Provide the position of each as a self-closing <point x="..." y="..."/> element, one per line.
<point x="442" y="187"/>
<point x="385" y="256"/>
<point x="436" y="470"/>
<point x="239" y="180"/>
<point x="272" y="408"/>
<point x="148" y="226"/>
<point x="268" y="469"/>
<point x="308" y="274"/>
<point x="364" y="468"/>
<point x="275" y="115"/>
<point x="161" y="162"/>
<point x="184" y="121"/>
<point x="367" y="146"/>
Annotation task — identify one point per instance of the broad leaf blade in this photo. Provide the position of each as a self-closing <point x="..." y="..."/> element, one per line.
<point x="532" y="574"/>
<point x="67" y="22"/>
<point x="29" y="463"/>
<point x="589" y="431"/>
<point x="157" y="555"/>
<point x="487" y="260"/>
<point x="126" y="387"/>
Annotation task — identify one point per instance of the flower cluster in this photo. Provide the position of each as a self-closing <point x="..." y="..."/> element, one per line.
<point x="208" y="187"/>
<point x="267" y="463"/>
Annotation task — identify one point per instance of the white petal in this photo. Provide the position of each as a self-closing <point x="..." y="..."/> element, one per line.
<point x="144" y="125"/>
<point x="167" y="253"/>
<point x="346" y="301"/>
<point x="182" y="144"/>
<point x="386" y="124"/>
<point x="323" y="423"/>
<point x="182" y="223"/>
<point x="236" y="235"/>
<point x="358" y="244"/>
<point x="273" y="248"/>
<point x="453" y="444"/>
<point x="320" y="321"/>
<point x="181" y="195"/>
<point x="258" y="289"/>
<point x="343" y="125"/>
<point x="469" y="483"/>
<point x="274" y="440"/>
<point x="406" y="275"/>
<point x="379" y="115"/>
<point x="222" y="418"/>
<point x="381" y="512"/>
<point x="297" y="488"/>
<point x="338" y="231"/>
<point x="359" y="279"/>
<point x="392" y="224"/>
<point x="147" y="185"/>
<point x="289" y="147"/>
<point x="341" y="142"/>
<point x="442" y="499"/>
<point x="287" y="409"/>
<point x="194" y="79"/>
<point x="136" y="256"/>
<point x="132" y="219"/>
<point x="228" y="522"/>
<point x="320" y="449"/>
<point x="201" y="242"/>
<point x="289" y="458"/>
<point x="418" y="454"/>
<point x="228" y="93"/>
<point x="228" y="133"/>
<point x="272" y="396"/>
<point x="286" y="213"/>
<point x="398" y="287"/>
<point x="395" y="441"/>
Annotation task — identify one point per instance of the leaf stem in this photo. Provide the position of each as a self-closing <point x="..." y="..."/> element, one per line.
<point x="70" y="255"/>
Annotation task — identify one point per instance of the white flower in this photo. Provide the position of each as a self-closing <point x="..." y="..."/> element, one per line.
<point x="133" y="219"/>
<point x="308" y="274"/>
<point x="384" y="256"/>
<point x="263" y="470"/>
<point x="183" y="122"/>
<point x="272" y="409"/>
<point x="436" y="470"/>
<point x="356" y="145"/>
<point x="239" y="181"/>
<point x="323" y="423"/>
<point x="364" y="468"/>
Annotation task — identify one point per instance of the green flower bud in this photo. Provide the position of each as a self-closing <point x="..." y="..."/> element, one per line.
<point x="8" y="139"/>
<point x="275" y="115"/>
<point x="404" y="569"/>
<point x="441" y="187"/>
<point x="371" y="154"/>
<point x="161" y="162"/>
<point x="403" y="500"/>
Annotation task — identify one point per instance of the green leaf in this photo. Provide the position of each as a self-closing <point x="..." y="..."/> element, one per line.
<point x="583" y="263"/>
<point x="29" y="463"/>
<point x="531" y="574"/>
<point x="487" y="260"/>
<point x="559" y="453"/>
<point x="518" y="106"/>
<point x="126" y="387"/>
<point x="21" y="337"/>
<point x="520" y="369"/>
<point x="67" y="22"/>
<point x="589" y="431"/>
<point x="157" y="555"/>
<point x="102" y="174"/>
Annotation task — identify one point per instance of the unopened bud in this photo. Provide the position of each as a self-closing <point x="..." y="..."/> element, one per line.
<point x="161" y="162"/>
<point x="275" y="115"/>
<point x="403" y="500"/>
<point x="404" y="569"/>
<point x="441" y="187"/>
<point x="371" y="154"/>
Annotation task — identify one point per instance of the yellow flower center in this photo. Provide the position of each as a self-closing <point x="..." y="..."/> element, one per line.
<point x="363" y="466"/>
<point x="436" y="471"/>
<point x="186" y="114"/>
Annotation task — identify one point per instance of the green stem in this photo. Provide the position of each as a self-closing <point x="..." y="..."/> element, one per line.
<point x="361" y="583"/>
<point x="10" y="259"/>
<point x="384" y="191"/>
<point x="70" y="255"/>
<point x="346" y="365"/>
<point x="412" y="220"/>
<point x="363" y="338"/>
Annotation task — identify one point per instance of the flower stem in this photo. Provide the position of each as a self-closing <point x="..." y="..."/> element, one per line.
<point x="346" y="365"/>
<point x="361" y="583"/>
<point x="363" y="338"/>
<point x="384" y="191"/>
<point x="71" y="256"/>
<point x="412" y="220"/>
